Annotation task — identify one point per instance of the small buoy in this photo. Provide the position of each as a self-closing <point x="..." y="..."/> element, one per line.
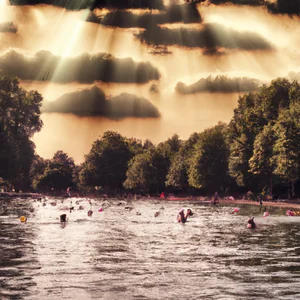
<point x="23" y="219"/>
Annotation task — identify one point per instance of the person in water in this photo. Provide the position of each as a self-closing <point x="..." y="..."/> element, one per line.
<point x="63" y="218"/>
<point x="251" y="223"/>
<point x="181" y="217"/>
<point x="216" y="198"/>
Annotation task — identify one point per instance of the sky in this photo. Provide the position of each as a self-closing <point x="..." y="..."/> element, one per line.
<point x="146" y="69"/>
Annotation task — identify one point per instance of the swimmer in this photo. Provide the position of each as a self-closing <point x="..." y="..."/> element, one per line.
<point x="63" y="218"/>
<point x="157" y="213"/>
<point x="90" y="213"/>
<point x="215" y="198"/>
<point x="235" y="210"/>
<point x="181" y="217"/>
<point x="251" y="224"/>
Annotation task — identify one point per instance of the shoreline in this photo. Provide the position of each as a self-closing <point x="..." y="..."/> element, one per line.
<point x="265" y="203"/>
<point x="275" y="203"/>
<point x="204" y="200"/>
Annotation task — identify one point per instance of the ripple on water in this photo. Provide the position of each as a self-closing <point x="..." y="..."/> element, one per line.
<point x="124" y="253"/>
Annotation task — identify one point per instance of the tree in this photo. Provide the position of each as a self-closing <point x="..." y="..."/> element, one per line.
<point x="106" y="164"/>
<point x="209" y="164"/>
<point x="147" y="172"/>
<point x="177" y="176"/>
<point x="59" y="173"/>
<point x="19" y="120"/>
<point x="178" y="172"/>
<point x="286" y="148"/>
<point x="262" y="160"/>
<point x="139" y="173"/>
<point x="254" y="112"/>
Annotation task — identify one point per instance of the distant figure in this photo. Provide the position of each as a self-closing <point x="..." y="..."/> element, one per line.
<point x="157" y="214"/>
<point x="181" y="217"/>
<point x="90" y="213"/>
<point x="63" y="218"/>
<point x="216" y="198"/>
<point x="162" y="195"/>
<point x="265" y="213"/>
<point x="251" y="224"/>
<point x="290" y="213"/>
<point x="235" y="210"/>
<point x="71" y="208"/>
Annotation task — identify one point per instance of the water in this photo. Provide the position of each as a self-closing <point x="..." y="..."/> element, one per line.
<point x="125" y="252"/>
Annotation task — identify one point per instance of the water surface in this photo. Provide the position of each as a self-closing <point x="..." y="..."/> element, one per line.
<point x="124" y="252"/>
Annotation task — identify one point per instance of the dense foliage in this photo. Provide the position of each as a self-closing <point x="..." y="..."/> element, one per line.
<point x="258" y="150"/>
<point x="19" y="120"/>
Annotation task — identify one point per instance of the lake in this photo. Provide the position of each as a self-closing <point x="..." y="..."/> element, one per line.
<point x="125" y="252"/>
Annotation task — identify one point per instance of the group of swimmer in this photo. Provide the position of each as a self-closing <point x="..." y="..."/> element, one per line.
<point x="182" y="216"/>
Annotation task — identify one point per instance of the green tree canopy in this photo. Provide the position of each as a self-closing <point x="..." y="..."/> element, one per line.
<point x="106" y="164"/>
<point x="209" y="164"/>
<point x="59" y="173"/>
<point x="19" y="120"/>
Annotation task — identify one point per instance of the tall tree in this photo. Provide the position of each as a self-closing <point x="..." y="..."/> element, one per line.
<point x="106" y="164"/>
<point x="209" y="164"/>
<point x="59" y="173"/>
<point x="19" y="120"/>
<point x="286" y="148"/>
<point x="254" y="111"/>
<point x="177" y="176"/>
<point x="262" y="160"/>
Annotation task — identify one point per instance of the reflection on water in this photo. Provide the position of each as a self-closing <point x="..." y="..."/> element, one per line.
<point x="124" y="252"/>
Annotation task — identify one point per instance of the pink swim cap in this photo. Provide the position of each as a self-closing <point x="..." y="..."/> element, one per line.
<point x="100" y="209"/>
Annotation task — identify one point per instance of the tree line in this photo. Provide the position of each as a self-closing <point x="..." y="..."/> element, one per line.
<point x="257" y="150"/>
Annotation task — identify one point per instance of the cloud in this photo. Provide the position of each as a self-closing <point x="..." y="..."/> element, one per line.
<point x="8" y="27"/>
<point x="92" y="4"/>
<point x="186" y="13"/>
<point x="86" y="68"/>
<point x="239" y="2"/>
<point x="290" y="7"/>
<point x="209" y="36"/>
<point x="220" y="84"/>
<point x="93" y="102"/>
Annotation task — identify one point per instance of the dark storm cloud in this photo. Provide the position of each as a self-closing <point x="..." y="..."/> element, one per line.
<point x="86" y="68"/>
<point x="290" y="7"/>
<point x="8" y="27"/>
<point x="209" y="36"/>
<point x="93" y="102"/>
<point x="186" y="13"/>
<point x="220" y="84"/>
<point x="92" y="4"/>
<point x="239" y="2"/>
